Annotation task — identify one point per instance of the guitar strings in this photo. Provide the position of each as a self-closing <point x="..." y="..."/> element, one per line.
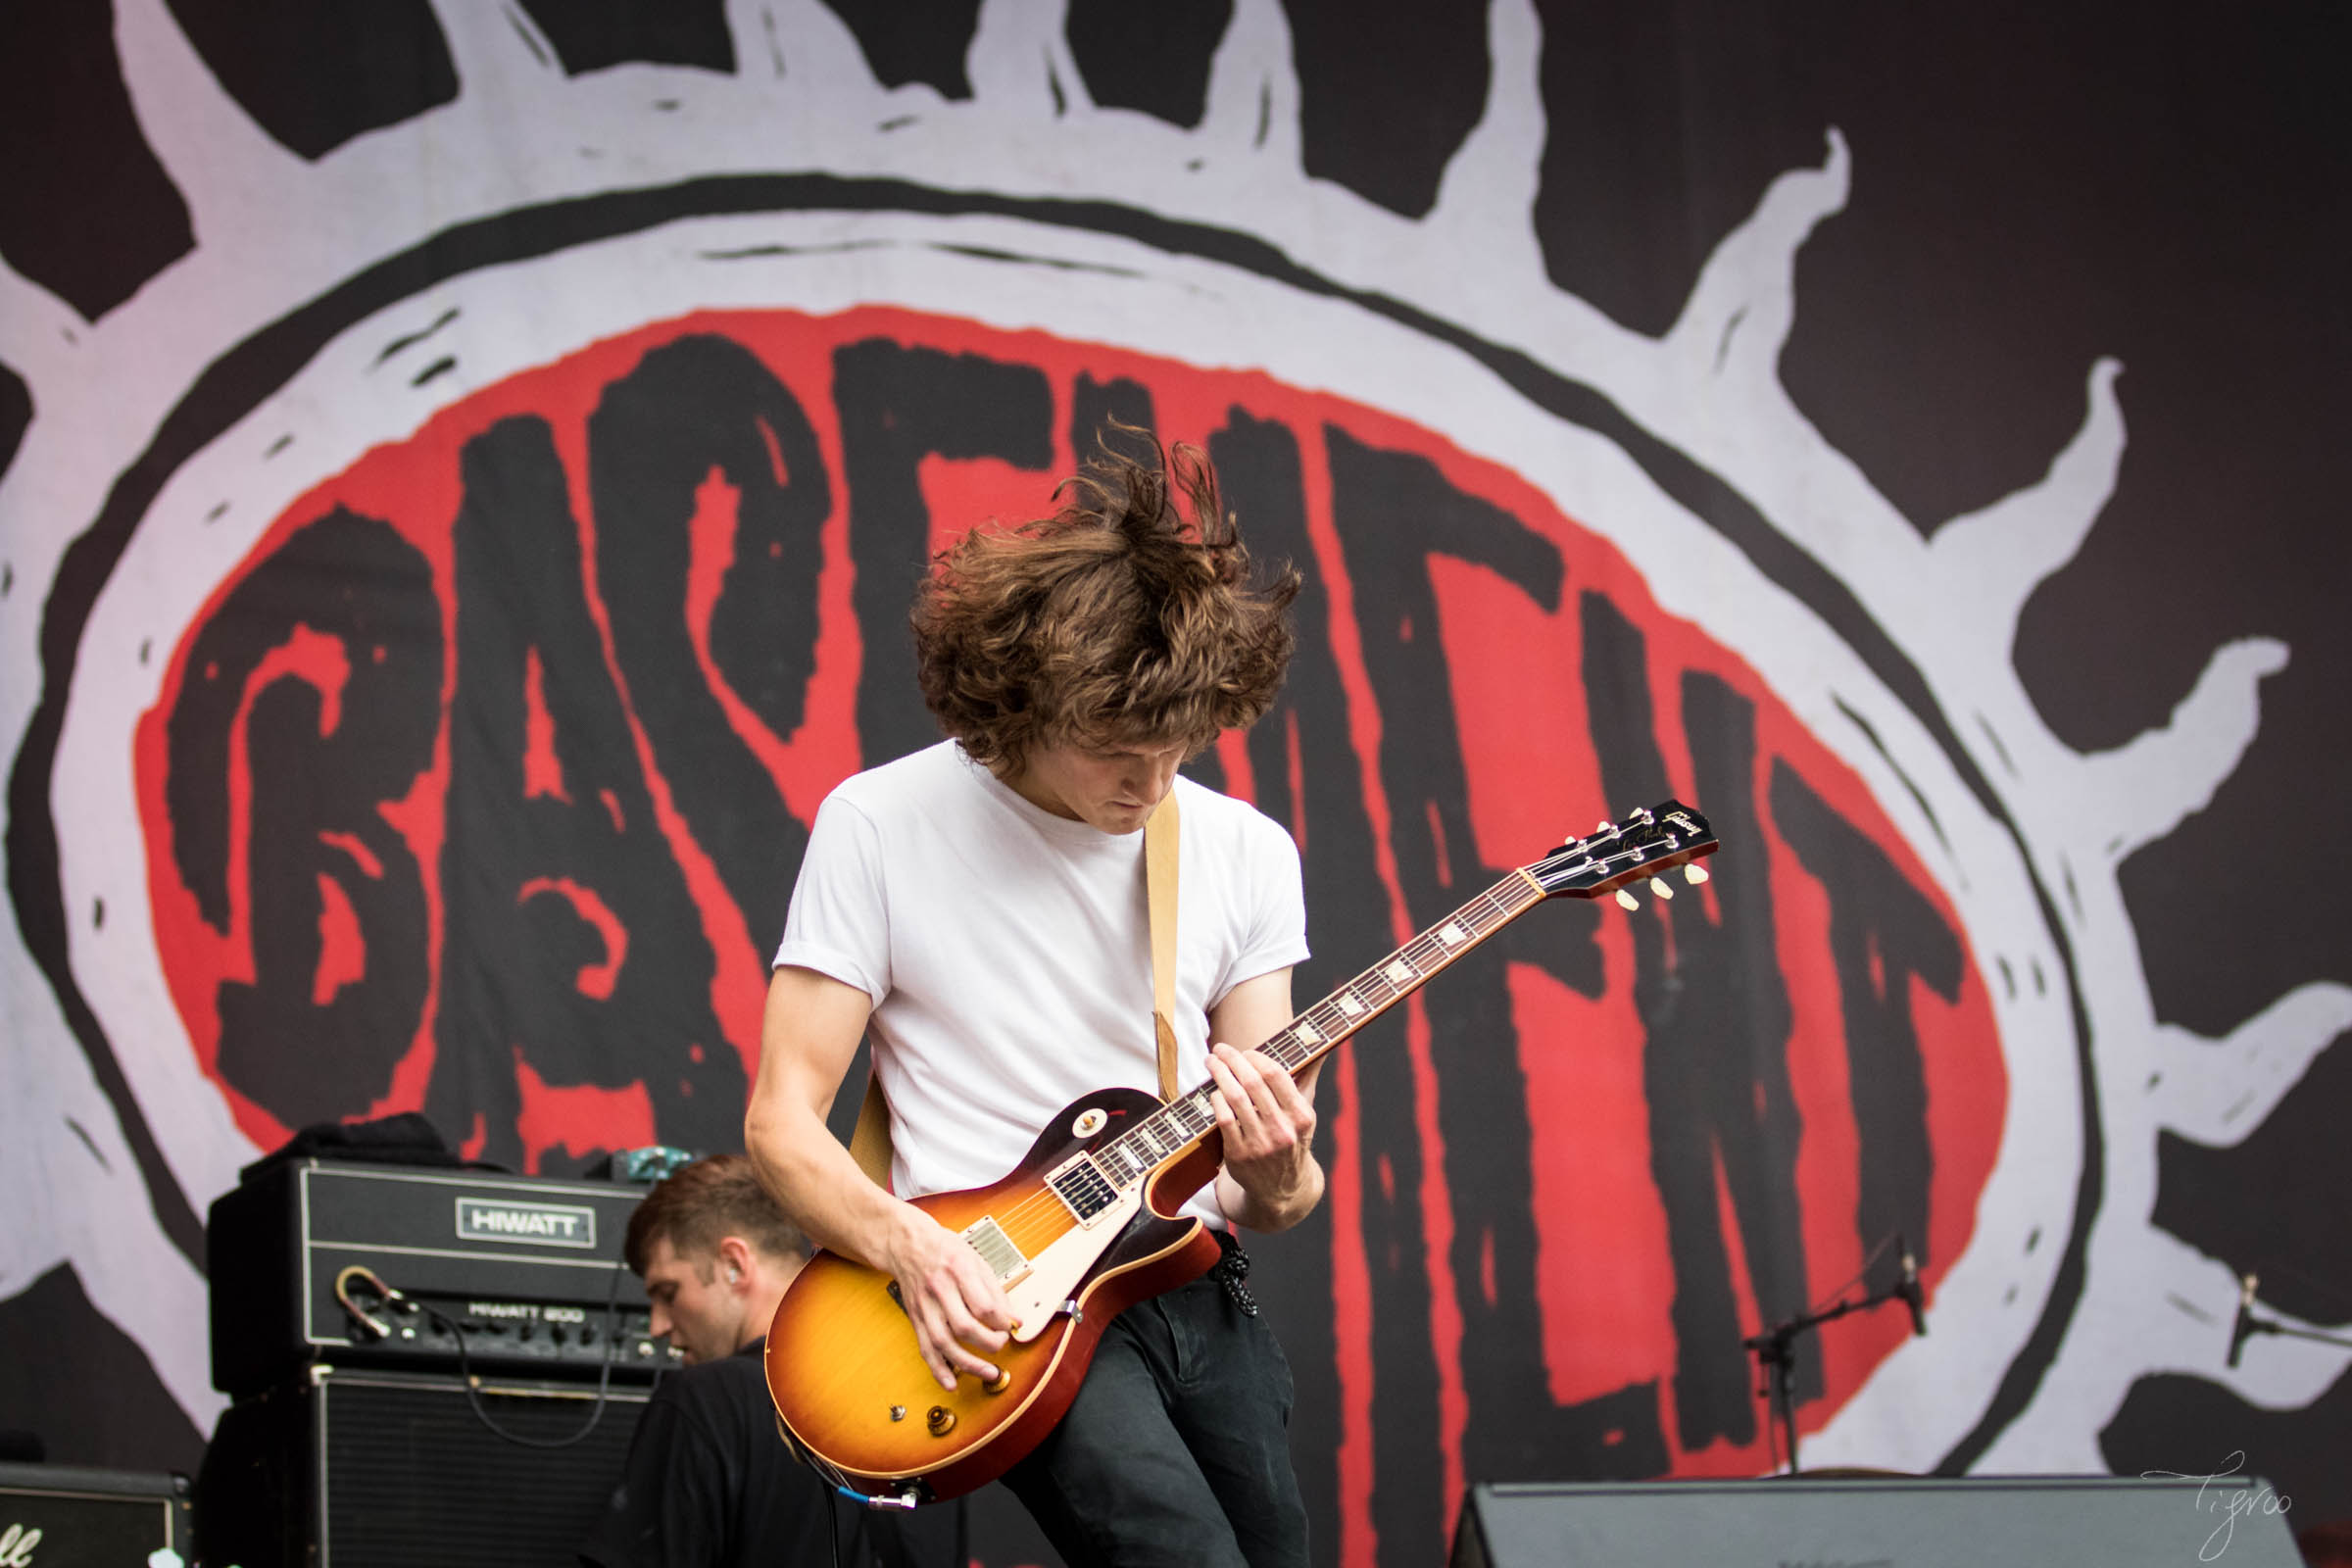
<point x="1047" y="1206"/>
<point x="1509" y="898"/>
<point x="1426" y="954"/>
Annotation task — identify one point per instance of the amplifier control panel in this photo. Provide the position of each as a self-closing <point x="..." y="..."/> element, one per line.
<point x="347" y="1264"/>
<point x="433" y="1327"/>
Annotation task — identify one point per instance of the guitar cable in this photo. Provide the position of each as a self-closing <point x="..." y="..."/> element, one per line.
<point x="867" y="1503"/>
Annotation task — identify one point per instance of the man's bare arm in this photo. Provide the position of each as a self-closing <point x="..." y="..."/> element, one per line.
<point x="1270" y="1180"/>
<point x="807" y="1041"/>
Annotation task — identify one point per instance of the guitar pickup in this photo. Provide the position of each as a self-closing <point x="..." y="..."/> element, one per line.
<point x="995" y="1249"/>
<point x="1083" y="1187"/>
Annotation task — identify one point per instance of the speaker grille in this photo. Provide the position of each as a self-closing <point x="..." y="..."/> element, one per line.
<point x="410" y="1475"/>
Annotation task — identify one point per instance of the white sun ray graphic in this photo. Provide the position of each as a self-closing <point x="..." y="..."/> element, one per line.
<point x="1448" y="319"/>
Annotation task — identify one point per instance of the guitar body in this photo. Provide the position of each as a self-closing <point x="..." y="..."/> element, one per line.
<point x="853" y="1393"/>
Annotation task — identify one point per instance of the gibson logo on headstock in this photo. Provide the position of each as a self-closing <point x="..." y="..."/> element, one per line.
<point x="16" y="1547"/>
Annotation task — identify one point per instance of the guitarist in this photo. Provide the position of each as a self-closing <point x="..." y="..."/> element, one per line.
<point x="977" y="911"/>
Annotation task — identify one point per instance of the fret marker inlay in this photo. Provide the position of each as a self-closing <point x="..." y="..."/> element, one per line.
<point x="1349" y="1006"/>
<point x="1452" y="934"/>
<point x="1400" y="973"/>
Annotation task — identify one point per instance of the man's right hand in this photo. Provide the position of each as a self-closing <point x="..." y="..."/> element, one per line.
<point x="808" y="1037"/>
<point x="956" y="1304"/>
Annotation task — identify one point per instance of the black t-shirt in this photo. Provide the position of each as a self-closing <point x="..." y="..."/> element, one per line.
<point x="710" y="1484"/>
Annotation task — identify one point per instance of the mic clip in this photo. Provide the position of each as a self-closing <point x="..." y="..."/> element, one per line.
<point x="1912" y="1296"/>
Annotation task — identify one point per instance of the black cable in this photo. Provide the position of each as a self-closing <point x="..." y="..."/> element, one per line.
<point x="1868" y="1264"/>
<point x="474" y="1393"/>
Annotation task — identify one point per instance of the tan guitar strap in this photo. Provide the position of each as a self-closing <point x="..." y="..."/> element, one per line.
<point x="1161" y="844"/>
<point x="869" y="1144"/>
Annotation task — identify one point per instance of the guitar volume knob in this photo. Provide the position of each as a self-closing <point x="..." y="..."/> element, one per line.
<point x="941" y="1420"/>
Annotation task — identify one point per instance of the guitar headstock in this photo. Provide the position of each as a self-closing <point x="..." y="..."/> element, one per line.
<point x="1641" y="846"/>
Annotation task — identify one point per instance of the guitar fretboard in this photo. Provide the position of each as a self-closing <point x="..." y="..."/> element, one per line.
<point x="1189" y="1117"/>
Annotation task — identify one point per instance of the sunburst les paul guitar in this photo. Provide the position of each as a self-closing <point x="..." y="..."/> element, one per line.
<point x="1087" y="1224"/>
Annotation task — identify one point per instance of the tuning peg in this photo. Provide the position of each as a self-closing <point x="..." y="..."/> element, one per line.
<point x="1694" y="873"/>
<point x="1604" y="826"/>
<point x="1661" y="889"/>
<point x="1627" y="899"/>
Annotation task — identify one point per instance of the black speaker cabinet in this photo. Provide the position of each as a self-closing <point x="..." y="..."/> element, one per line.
<point x="2018" y="1522"/>
<point x="367" y="1469"/>
<point x="57" y="1517"/>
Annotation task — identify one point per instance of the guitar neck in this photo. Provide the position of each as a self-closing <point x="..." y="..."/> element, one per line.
<point x="1645" y="842"/>
<point x="1312" y="1035"/>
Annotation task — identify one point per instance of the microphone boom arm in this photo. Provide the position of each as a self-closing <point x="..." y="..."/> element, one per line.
<point x="1775" y="1348"/>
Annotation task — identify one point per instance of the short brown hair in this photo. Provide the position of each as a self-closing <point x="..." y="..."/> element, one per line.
<point x="701" y="1205"/>
<point x="1116" y="619"/>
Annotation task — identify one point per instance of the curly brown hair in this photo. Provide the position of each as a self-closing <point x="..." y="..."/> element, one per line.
<point x="1125" y="616"/>
<point x="701" y="1205"/>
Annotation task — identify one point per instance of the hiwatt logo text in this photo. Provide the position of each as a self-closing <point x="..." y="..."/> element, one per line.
<point x="486" y="1219"/>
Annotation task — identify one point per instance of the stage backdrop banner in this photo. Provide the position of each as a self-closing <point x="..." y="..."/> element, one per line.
<point x="466" y="470"/>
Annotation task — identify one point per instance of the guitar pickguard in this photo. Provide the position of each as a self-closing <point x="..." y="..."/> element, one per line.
<point x="1055" y="1274"/>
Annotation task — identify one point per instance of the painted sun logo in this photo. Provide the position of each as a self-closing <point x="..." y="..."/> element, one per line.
<point x="332" y="308"/>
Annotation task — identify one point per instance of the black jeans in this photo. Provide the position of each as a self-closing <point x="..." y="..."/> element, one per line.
<point x="1177" y="1450"/>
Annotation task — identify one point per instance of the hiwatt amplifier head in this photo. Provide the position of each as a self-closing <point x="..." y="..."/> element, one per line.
<point x="352" y="1264"/>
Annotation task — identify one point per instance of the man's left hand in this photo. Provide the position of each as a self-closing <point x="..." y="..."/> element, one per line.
<point x="1268" y="1124"/>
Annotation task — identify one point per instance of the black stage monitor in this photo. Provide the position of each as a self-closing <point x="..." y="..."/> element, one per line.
<point x="2017" y="1522"/>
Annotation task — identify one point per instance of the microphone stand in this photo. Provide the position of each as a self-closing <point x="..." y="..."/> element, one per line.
<point x="1775" y="1357"/>
<point x="2287" y="1330"/>
<point x="2248" y="1327"/>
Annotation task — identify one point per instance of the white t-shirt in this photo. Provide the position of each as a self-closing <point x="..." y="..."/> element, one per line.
<point x="1008" y="951"/>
